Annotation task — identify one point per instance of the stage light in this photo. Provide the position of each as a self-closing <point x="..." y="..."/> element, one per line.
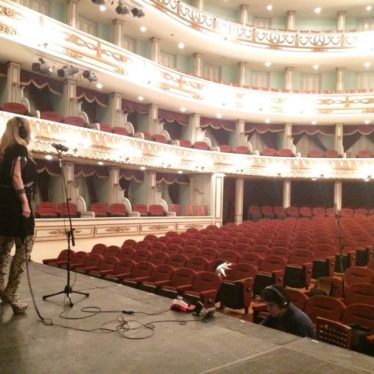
<point x="41" y="67"/>
<point x="122" y="9"/>
<point x="67" y="71"/>
<point x="136" y="12"/>
<point x="89" y="75"/>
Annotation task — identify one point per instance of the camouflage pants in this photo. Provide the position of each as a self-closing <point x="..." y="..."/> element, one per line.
<point x="18" y="264"/>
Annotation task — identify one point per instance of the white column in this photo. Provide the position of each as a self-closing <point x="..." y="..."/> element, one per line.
<point x="153" y="123"/>
<point x="239" y="199"/>
<point x="69" y="97"/>
<point x="286" y="193"/>
<point x="152" y="195"/>
<point x="118" y="26"/>
<point x="340" y="78"/>
<point x="289" y="78"/>
<point x="198" y="64"/>
<point x="341" y="16"/>
<point x="239" y="137"/>
<point x="199" y="4"/>
<point x="13" y="83"/>
<point x="216" y="195"/>
<point x="291" y="19"/>
<point x="338" y="195"/>
<point x="155" y="50"/>
<point x="242" y="73"/>
<point x="339" y="138"/>
<point x="113" y="185"/>
<point x="287" y="139"/>
<point x="116" y="115"/>
<point x="243" y="14"/>
<point x="72" y="13"/>
<point x="194" y="126"/>
<point x="69" y="179"/>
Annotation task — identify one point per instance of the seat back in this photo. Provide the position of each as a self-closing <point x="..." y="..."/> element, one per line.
<point x="209" y="253"/>
<point x="124" y="266"/>
<point x="128" y="243"/>
<point x="190" y="251"/>
<point x="99" y="249"/>
<point x="112" y="251"/>
<point x="74" y="120"/>
<point x="46" y="209"/>
<point x="240" y="271"/>
<point x="241" y="149"/>
<point x="142" y="245"/>
<point x="297" y="297"/>
<point x="205" y="281"/>
<point x="63" y="209"/>
<point x="251" y="258"/>
<point x="161" y="272"/>
<point x="141" y="255"/>
<point x="51" y="116"/>
<point x="334" y="333"/>
<point x="197" y="263"/>
<point x="100" y="209"/>
<point x="359" y="314"/>
<point x="16" y="108"/>
<point x="142" y="269"/>
<point x="325" y="307"/>
<point x="177" y="261"/>
<point x="150" y="238"/>
<point x="356" y="274"/>
<point x="117" y="210"/>
<point x="156" y="210"/>
<point x="126" y="253"/>
<point x="141" y="208"/>
<point x="360" y="293"/>
<point x="108" y="263"/>
<point x="201" y="145"/>
<point x="182" y="276"/>
<point x="272" y="263"/>
<point x="158" y="258"/>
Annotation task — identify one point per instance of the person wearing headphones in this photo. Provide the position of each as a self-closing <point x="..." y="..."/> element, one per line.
<point x="17" y="178"/>
<point x="283" y="315"/>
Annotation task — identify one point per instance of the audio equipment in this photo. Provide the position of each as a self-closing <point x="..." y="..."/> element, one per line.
<point x="284" y="301"/>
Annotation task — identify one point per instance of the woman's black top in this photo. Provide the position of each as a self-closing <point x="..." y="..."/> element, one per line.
<point x="12" y="223"/>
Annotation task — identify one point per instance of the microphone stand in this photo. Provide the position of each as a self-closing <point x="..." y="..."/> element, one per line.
<point x="68" y="290"/>
<point x="341" y="245"/>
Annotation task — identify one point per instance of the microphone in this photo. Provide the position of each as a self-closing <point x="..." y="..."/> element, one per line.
<point x="60" y="147"/>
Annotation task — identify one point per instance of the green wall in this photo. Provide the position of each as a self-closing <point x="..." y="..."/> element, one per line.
<point x="230" y="14"/>
<point x="58" y="11"/>
<point x="315" y="23"/>
<point x="328" y="80"/>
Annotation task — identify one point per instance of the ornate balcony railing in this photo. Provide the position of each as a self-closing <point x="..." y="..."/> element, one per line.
<point x="262" y="37"/>
<point x="63" y="44"/>
<point x="118" y="150"/>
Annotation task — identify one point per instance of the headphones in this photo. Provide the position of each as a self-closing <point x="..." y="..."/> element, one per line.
<point x="283" y="299"/>
<point x="22" y="132"/>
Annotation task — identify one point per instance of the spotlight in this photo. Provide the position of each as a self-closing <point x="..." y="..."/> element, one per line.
<point x="67" y="71"/>
<point x="41" y="67"/>
<point x="122" y="9"/>
<point x="136" y="12"/>
<point x="89" y="75"/>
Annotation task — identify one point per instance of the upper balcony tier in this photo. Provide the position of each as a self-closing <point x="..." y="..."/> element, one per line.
<point x="255" y="43"/>
<point x="27" y="35"/>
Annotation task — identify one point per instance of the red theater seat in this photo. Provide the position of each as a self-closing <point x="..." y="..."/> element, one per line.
<point x="98" y="249"/>
<point x="325" y="307"/>
<point x="177" y="261"/>
<point x="61" y="259"/>
<point x="47" y="210"/>
<point x="122" y="269"/>
<point x="156" y="210"/>
<point x="100" y="209"/>
<point x="141" y="208"/>
<point x="201" y="145"/>
<point x="63" y="210"/>
<point x="91" y="263"/>
<point x="140" y="273"/>
<point x="181" y="280"/>
<point x="360" y="293"/>
<point x="16" y="108"/>
<point x="75" y="121"/>
<point x="285" y="153"/>
<point x="158" y="258"/>
<point x="119" y="130"/>
<point x="315" y="153"/>
<point x="331" y="153"/>
<point x="160" y="276"/>
<point x="105" y="267"/>
<point x="268" y="152"/>
<point x="185" y="143"/>
<point x="51" y="116"/>
<point x="105" y="127"/>
<point x="365" y="153"/>
<point x="356" y="274"/>
<point x="225" y="148"/>
<point x="241" y="149"/>
<point x="117" y="210"/>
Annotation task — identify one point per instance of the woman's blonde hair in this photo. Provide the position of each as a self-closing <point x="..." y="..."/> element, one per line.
<point x="12" y="134"/>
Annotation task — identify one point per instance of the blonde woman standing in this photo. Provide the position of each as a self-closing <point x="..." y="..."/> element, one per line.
<point x="17" y="179"/>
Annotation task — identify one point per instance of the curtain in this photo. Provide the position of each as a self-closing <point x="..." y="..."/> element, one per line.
<point x="91" y="188"/>
<point x="131" y="107"/>
<point x="92" y="96"/>
<point x="350" y="140"/>
<point x="43" y="185"/>
<point x="221" y="136"/>
<point x="167" y="116"/>
<point x="125" y="185"/>
<point x="173" y="190"/>
<point x="40" y="97"/>
<point x="174" y="129"/>
<point x="270" y="139"/>
<point x="358" y="194"/>
<point x="229" y="200"/>
<point x="312" y="193"/>
<point x="91" y="110"/>
<point x="317" y="141"/>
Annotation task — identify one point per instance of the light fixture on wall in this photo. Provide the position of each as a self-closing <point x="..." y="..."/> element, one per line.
<point x="122" y="8"/>
<point x="67" y="71"/>
<point x="89" y="75"/>
<point x="41" y="67"/>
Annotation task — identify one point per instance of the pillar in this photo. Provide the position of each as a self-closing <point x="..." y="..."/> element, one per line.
<point x="242" y="73"/>
<point x="289" y="78"/>
<point x="239" y="199"/>
<point x="287" y="139"/>
<point x="216" y="196"/>
<point x="198" y="64"/>
<point x="239" y="137"/>
<point x="340" y="78"/>
<point x="341" y="16"/>
<point x="118" y="27"/>
<point x="72" y="13"/>
<point x="339" y="138"/>
<point x="199" y="4"/>
<point x="69" y="101"/>
<point x="193" y="127"/>
<point x="243" y="14"/>
<point x="291" y="19"/>
<point x="154" y="127"/>
<point x="286" y="193"/>
<point x="115" y="115"/>
<point x="13" y="84"/>
<point x="338" y="195"/>
<point x="115" y="190"/>
<point x="155" y="50"/>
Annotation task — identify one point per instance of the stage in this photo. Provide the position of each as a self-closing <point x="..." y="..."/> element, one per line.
<point x="222" y="344"/>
